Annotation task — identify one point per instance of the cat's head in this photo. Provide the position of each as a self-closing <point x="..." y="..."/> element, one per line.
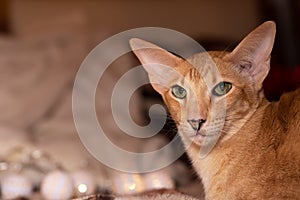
<point x="211" y="93"/>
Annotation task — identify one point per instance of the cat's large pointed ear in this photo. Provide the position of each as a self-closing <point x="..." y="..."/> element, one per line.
<point x="253" y="52"/>
<point x="159" y="63"/>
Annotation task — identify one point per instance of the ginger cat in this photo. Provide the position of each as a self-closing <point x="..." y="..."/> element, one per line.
<point x="257" y="154"/>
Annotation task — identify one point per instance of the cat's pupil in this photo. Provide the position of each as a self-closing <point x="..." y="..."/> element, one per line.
<point x="180" y="90"/>
<point x="222" y="86"/>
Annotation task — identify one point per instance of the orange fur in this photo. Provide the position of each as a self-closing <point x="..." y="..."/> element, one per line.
<point x="257" y="155"/>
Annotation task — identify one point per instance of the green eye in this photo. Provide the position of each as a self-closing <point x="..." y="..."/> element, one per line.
<point x="178" y="92"/>
<point x="222" y="88"/>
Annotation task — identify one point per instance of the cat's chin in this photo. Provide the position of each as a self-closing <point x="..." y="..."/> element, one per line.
<point x="199" y="138"/>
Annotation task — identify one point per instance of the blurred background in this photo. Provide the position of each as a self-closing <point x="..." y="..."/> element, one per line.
<point x="42" y="45"/>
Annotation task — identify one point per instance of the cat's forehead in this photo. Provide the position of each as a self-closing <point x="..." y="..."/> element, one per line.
<point x="208" y="59"/>
<point x="207" y="67"/>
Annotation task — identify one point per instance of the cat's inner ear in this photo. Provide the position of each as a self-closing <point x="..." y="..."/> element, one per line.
<point x="253" y="52"/>
<point x="159" y="63"/>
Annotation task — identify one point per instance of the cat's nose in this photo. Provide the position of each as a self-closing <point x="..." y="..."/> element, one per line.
<point x="196" y="123"/>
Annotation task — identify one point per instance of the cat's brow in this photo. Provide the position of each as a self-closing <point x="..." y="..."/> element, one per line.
<point x="194" y="75"/>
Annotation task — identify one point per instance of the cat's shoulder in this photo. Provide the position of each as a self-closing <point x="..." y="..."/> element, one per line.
<point x="291" y="99"/>
<point x="289" y="105"/>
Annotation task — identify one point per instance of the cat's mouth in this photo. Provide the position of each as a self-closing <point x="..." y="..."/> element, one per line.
<point x="204" y="134"/>
<point x="201" y="135"/>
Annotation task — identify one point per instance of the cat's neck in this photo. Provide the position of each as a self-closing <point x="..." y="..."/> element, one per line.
<point x="219" y="157"/>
